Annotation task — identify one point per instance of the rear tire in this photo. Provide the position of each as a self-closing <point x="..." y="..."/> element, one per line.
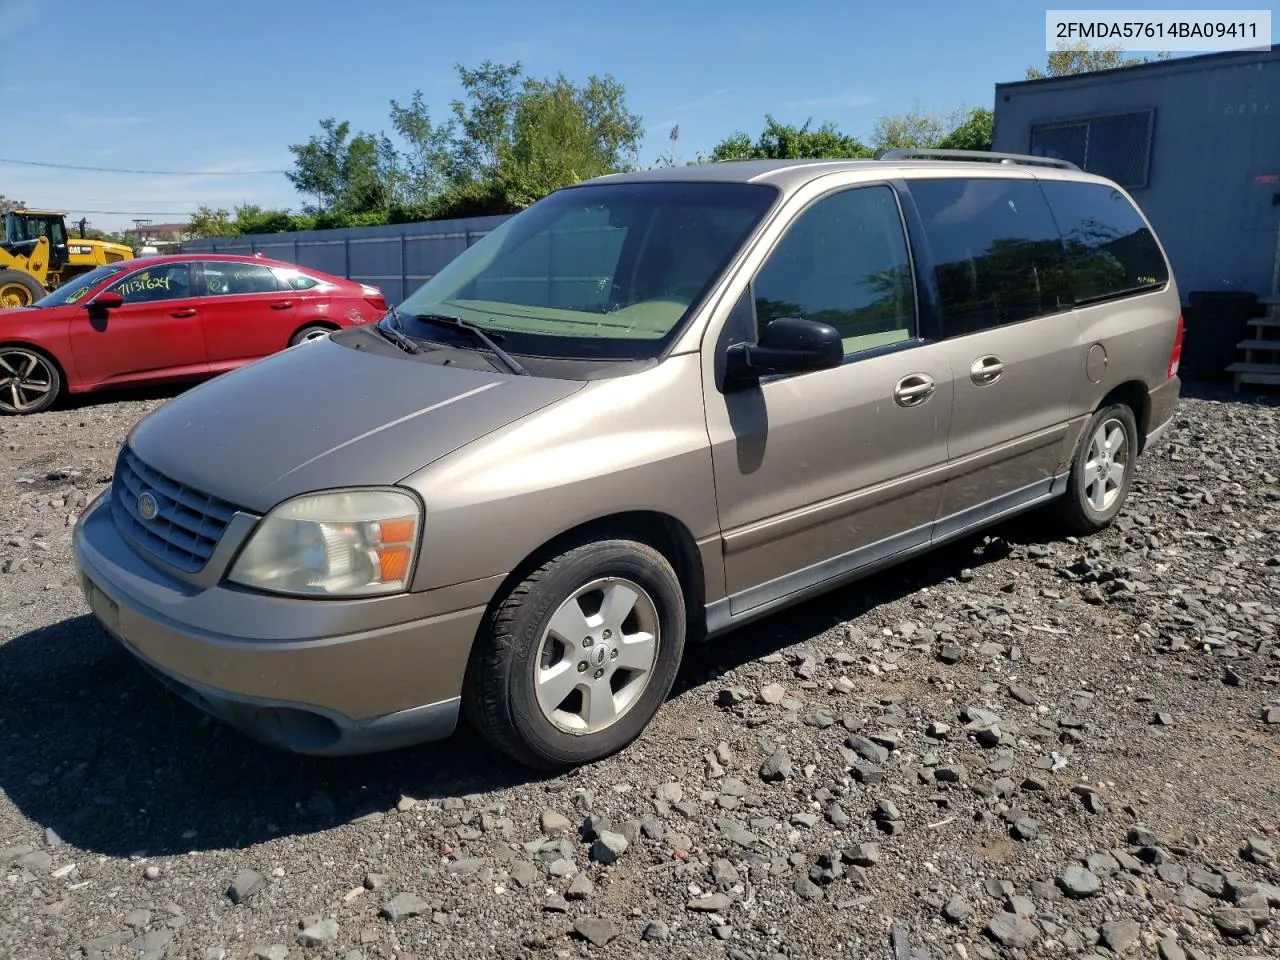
<point x="18" y="289"/>
<point x="312" y="331"/>
<point x="575" y="661"/>
<point x="1101" y="473"/>
<point x="30" y="381"/>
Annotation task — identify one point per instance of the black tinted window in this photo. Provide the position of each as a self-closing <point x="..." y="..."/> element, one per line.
<point x="844" y="262"/>
<point x="1110" y="249"/>
<point x="997" y="254"/>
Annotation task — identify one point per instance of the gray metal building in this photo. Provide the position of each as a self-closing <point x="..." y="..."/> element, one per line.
<point x="1196" y="141"/>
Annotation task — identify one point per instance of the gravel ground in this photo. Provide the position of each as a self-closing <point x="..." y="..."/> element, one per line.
<point x="1019" y="747"/>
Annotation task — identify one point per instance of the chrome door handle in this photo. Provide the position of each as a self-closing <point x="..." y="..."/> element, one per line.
<point x="986" y="370"/>
<point x="914" y="390"/>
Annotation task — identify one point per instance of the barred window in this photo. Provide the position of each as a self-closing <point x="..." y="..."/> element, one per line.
<point x="1116" y="147"/>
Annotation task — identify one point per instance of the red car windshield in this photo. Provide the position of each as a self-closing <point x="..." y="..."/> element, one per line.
<point x="76" y="289"/>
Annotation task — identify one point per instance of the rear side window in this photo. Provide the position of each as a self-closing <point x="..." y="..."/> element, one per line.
<point x="229" y="278"/>
<point x="1110" y="250"/>
<point x="997" y="255"/>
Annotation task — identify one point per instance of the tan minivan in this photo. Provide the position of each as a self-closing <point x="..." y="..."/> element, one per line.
<point x="653" y="406"/>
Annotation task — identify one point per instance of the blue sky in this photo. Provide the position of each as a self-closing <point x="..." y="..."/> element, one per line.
<point x="222" y="87"/>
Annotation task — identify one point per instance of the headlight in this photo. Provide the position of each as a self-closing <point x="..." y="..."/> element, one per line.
<point x="347" y="544"/>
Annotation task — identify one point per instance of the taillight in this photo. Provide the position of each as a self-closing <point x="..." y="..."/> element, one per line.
<point x="1175" y="355"/>
<point x="373" y="296"/>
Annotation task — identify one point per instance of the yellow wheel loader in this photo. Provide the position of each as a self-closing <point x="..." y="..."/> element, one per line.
<point x="37" y="255"/>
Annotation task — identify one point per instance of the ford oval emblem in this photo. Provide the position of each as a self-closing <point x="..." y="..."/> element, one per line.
<point x="148" y="506"/>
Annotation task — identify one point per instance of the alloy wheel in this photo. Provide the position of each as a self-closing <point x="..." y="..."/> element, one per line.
<point x="1107" y="465"/>
<point x="25" y="379"/>
<point x="597" y="655"/>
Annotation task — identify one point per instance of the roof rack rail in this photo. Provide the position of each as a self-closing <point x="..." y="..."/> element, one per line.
<point x="905" y="153"/>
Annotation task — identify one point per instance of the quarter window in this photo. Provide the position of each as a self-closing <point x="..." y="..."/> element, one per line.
<point x="997" y="255"/>
<point x="227" y="279"/>
<point x="170" y="281"/>
<point x="1110" y="249"/>
<point x="295" y="279"/>
<point x="844" y="262"/>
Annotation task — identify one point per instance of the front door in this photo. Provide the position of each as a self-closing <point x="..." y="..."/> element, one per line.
<point x="1012" y="335"/>
<point x="817" y="474"/>
<point x="156" y="332"/>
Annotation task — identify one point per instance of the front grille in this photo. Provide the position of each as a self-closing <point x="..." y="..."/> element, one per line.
<point x="187" y="525"/>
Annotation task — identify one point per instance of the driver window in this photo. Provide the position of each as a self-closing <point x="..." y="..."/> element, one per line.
<point x="844" y="262"/>
<point x="170" y="281"/>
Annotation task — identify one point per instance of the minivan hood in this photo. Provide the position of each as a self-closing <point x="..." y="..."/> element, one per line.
<point x="322" y="415"/>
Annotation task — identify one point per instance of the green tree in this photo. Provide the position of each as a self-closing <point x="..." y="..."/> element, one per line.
<point x="208" y="222"/>
<point x="560" y="134"/>
<point x="973" y="133"/>
<point x="318" y="163"/>
<point x="510" y="139"/>
<point x="779" y="141"/>
<point x="484" y="117"/>
<point x="917" y="127"/>
<point x="1070" y="59"/>
<point x="251" y="218"/>
<point x="426" y="162"/>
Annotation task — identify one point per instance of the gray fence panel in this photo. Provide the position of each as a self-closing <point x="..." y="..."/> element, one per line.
<point x="397" y="258"/>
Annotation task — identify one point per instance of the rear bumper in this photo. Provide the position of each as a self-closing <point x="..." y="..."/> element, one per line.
<point x="1163" y="402"/>
<point x="349" y="676"/>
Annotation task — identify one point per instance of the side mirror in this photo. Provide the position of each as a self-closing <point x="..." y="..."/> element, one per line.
<point x="788" y="345"/>
<point x="106" y="300"/>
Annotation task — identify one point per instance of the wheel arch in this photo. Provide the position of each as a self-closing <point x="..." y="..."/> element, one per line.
<point x="64" y="386"/>
<point x="44" y="352"/>
<point x="661" y="531"/>
<point x="1134" y="395"/>
<point x="317" y="322"/>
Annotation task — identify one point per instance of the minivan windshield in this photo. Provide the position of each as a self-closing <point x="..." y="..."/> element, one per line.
<point x="598" y="271"/>
<point x="75" y="289"/>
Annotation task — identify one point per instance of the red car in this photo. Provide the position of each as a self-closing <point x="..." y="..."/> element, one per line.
<point x="169" y="318"/>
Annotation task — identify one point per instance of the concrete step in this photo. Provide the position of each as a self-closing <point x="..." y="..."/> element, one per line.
<point x="1262" y="374"/>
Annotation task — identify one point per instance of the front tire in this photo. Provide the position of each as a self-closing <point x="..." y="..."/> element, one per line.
<point x="575" y="661"/>
<point x="29" y="381"/>
<point x="1102" y="471"/>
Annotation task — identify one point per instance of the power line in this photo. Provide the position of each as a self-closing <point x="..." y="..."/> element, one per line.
<point x="72" y="201"/>
<point x="157" y="173"/>
<point x="145" y="213"/>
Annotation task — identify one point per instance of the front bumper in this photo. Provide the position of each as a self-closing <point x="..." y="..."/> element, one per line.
<point x="322" y="677"/>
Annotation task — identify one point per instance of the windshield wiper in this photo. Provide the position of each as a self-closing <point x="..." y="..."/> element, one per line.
<point x="459" y="324"/>
<point x="395" y="333"/>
